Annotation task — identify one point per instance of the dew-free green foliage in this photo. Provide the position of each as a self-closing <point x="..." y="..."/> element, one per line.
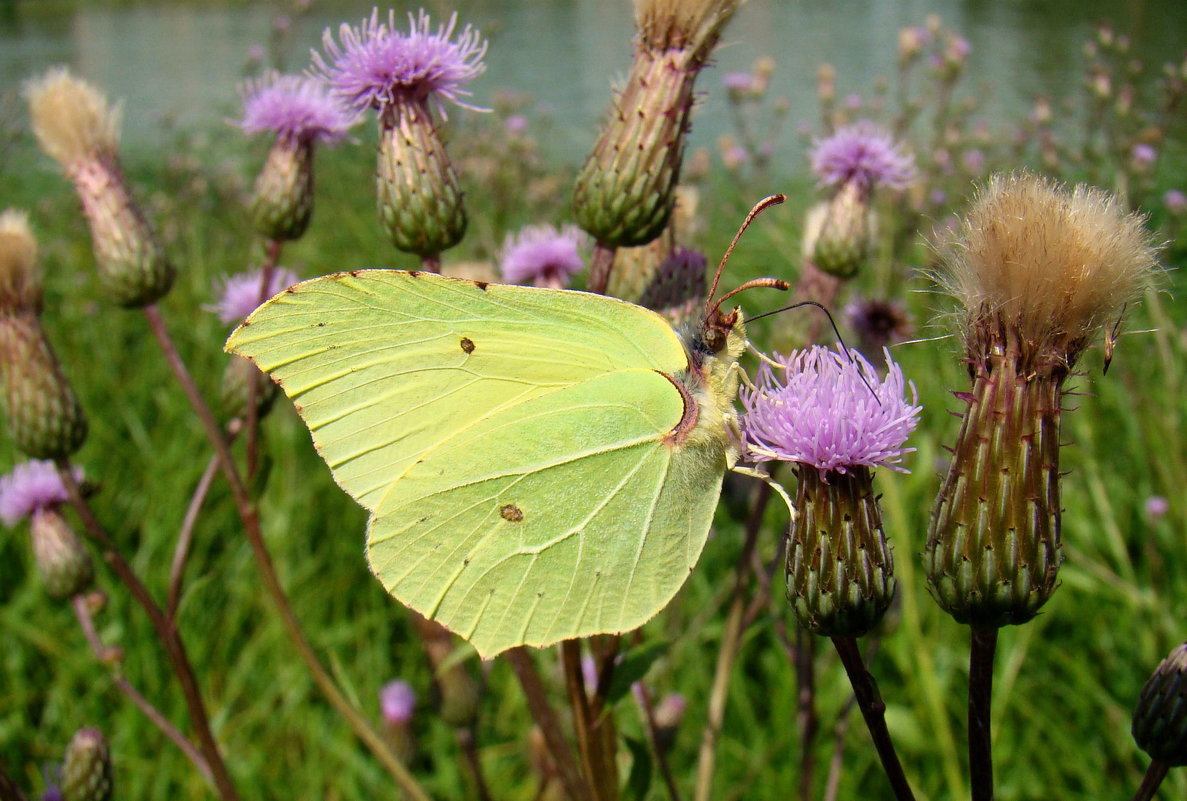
<point x="520" y="449"/>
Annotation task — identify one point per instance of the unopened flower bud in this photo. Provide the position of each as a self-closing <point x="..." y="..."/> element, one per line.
<point x="626" y="191"/>
<point x="837" y="235"/>
<point x="1160" y="719"/>
<point x="61" y="557"/>
<point x="86" y="772"/>
<point x="79" y="129"/>
<point x="44" y="416"/>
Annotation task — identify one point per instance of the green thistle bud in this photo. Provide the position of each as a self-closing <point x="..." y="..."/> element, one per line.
<point x="86" y="773"/>
<point x="44" y="416"/>
<point x="282" y="200"/>
<point x="62" y="560"/>
<point x="1160" y="719"/>
<point x="235" y="389"/>
<point x="626" y="191"/>
<point x="837" y="239"/>
<point x="79" y="129"/>
<point x="420" y="201"/>
<point x="840" y="570"/>
<point x="1039" y="270"/>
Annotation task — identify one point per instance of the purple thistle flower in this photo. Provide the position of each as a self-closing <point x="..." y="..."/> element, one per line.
<point x="864" y="154"/>
<point x="543" y="254"/>
<point x="31" y="487"/>
<point x="239" y="295"/>
<point x="374" y="65"/>
<point x="295" y="107"/>
<point x="397" y="702"/>
<point x="830" y="411"/>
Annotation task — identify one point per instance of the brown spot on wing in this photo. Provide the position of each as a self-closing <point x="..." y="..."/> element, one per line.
<point x="511" y="512"/>
<point x="482" y="285"/>
<point x="467" y="345"/>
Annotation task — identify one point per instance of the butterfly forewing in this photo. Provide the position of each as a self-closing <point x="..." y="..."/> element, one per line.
<point x="384" y="365"/>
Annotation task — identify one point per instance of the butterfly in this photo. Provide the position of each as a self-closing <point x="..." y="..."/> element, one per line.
<point x="538" y="464"/>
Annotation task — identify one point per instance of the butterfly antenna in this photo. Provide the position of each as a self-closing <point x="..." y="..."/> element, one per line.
<point x="833" y="325"/>
<point x="759" y="207"/>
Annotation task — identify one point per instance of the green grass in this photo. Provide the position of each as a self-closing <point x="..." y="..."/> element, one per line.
<point x="1065" y="683"/>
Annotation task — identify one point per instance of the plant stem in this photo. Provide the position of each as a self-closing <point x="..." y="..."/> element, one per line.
<point x="1150" y="782"/>
<point x="807" y="721"/>
<point x="87" y="624"/>
<point x="185" y="536"/>
<point x="984" y="646"/>
<point x="251" y="525"/>
<point x="166" y="632"/>
<point x="431" y="262"/>
<point x="661" y="756"/>
<point x="731" y="639"/>
<point x="599" y="268"/>
<point x="869" y="700"/>
<point x="521" y="662"/>
<point x="256" y="378"/>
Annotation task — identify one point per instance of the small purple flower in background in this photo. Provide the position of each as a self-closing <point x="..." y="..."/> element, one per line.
<point x="738" y="81"/>
<point x="829" y="410"/>
<point x="239" y="295"/>
<point x="31" y="487"/>
<point x="853" y="101"/>
<point x="374" y="65"/>
<point x="543" y="254"/>
<point x="397" y="702"/>
<point x="863" y="154"/>
<point x="1143" y="155"/>
<point x="257" y="53"/>
<point x="1157" y="507"/>
<point x="515" y="124"/>
<point x="1175" y="201"/>
<point x="294" y="107"/>
<point x="973" y="161"/>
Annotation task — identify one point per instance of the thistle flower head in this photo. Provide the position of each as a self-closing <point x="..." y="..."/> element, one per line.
<point x="294" y="107"/>
<point x="1045" y="266"/>
<point x="30" y="487"/>
<point x="71" y="118"/>
<point x="1160" y="718"/>
<point x="375" y="65"/>
<point x="543" y="254"/>
<point x="691" y="25"/>
<point x="240" y="294"/>
<point x="829" y="410"/>
<point x="878" y="322"/>
<point x="397" y="702"/>
<point x="20" y="284"/>
<point x="862" y="154"/>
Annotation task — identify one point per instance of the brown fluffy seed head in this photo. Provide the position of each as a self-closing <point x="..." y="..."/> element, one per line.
<point x="71" y="118"/>
<point x="1044" y="266"/>
<point x="682" y="24"/>
<point x="20" y="283"/>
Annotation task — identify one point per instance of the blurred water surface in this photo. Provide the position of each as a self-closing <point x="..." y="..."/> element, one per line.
<point x="181" y="62"/>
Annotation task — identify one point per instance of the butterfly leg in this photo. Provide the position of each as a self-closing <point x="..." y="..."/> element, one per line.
<point x="770" y="482"/>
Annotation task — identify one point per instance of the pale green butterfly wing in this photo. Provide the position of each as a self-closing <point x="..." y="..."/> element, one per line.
<point x="513" y="444"/>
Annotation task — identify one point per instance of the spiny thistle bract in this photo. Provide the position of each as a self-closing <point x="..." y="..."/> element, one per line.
<point x="1038" y="271"/>
<point x="405" y="76"/>
<point x="77" y="127"/>
<point x="44" y="416"/>
<point x="1160" y="718"/>
<point x="832" y="417"/>
<point x="86" y="771"/>
<point x="625" y="192"/>
<point x="301" y="112"/>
